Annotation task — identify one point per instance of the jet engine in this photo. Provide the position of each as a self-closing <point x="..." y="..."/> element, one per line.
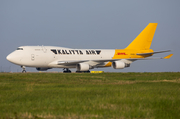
<point x="82" y="67"/>
<point x="42" y="68"/>
<point x="119" y="65"/>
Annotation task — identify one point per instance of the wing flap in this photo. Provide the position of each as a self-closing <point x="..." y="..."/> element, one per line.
<point x="99" y="61"/>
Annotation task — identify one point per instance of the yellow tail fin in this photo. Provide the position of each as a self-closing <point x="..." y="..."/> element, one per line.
<point x="144" y="39"/>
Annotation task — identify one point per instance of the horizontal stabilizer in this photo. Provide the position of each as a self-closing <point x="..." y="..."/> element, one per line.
<point x="151" y="53"/>
<point x="150" y="58"/>
<point x="167" y="57"/>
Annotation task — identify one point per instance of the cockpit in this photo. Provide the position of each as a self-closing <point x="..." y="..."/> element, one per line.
<point x="19" y="48"/>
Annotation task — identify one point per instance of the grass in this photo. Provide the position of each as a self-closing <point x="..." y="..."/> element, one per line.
<point x="107" y="95"/>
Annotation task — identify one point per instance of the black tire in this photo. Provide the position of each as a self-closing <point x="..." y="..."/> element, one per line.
<point x="24" y="71"/>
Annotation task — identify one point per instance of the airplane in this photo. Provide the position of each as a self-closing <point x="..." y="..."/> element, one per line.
<point x="47" y="57"/>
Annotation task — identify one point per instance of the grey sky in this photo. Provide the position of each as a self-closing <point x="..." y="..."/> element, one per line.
<point x="105" y="24"/>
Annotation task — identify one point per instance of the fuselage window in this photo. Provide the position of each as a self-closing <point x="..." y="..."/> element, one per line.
<point x="54" y="51"/>
<point x="19" y="48"/>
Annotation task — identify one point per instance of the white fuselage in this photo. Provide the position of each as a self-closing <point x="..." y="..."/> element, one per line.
<point x="49" y="56"/>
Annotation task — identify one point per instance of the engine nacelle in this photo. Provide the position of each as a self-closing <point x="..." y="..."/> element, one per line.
<point x="118" y="65"/>
<point x="82" y="67"/>
<point x="42" y="68"/>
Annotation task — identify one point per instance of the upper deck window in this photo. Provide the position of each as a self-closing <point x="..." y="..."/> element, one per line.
<point x="19" y="48"/>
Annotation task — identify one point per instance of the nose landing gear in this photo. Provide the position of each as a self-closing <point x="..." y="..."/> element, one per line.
<point x="24" y="69"/>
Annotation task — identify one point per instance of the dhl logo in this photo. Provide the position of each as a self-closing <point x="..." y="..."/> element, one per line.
<point x="121" y="53"/>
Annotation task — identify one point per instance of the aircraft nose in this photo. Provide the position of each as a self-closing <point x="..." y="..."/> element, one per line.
<point x="9" y="57"/>
<point x="14" y="58"/>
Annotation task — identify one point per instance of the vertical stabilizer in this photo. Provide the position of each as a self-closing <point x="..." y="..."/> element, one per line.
<point x="144" y="39"/>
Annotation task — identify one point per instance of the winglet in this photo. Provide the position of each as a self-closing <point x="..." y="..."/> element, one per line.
<point x="167" y="57"/>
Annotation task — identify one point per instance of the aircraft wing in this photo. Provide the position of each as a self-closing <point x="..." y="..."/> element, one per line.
<point x="108" y="60"/>
<point x="70" y="62"/>
<point x="153" y="52"/>
<point x="133" y="59"/>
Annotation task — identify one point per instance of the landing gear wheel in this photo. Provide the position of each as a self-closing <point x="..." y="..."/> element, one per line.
<point x="66" y="70"/>
<point x="87" y="71"/>
<point x="24" y="69"/>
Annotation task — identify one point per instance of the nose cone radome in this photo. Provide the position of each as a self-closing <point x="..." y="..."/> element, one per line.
<point x="14" y="58"/>
<point x="9" y="58"/>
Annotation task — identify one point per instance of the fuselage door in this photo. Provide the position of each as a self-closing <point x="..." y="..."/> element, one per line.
<point x="44" y="49"/>
<point x="32" y="57"/>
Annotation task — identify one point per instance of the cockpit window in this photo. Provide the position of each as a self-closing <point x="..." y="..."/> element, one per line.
<point x="19" y="48"/>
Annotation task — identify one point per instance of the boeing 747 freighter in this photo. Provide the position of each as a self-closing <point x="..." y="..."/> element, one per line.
<point x="47" y="57"/>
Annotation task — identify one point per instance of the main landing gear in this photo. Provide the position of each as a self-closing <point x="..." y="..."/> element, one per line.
<point x="24" y="69"/>
<point x="83" y="71"/>
<point x="66" y="70"/>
